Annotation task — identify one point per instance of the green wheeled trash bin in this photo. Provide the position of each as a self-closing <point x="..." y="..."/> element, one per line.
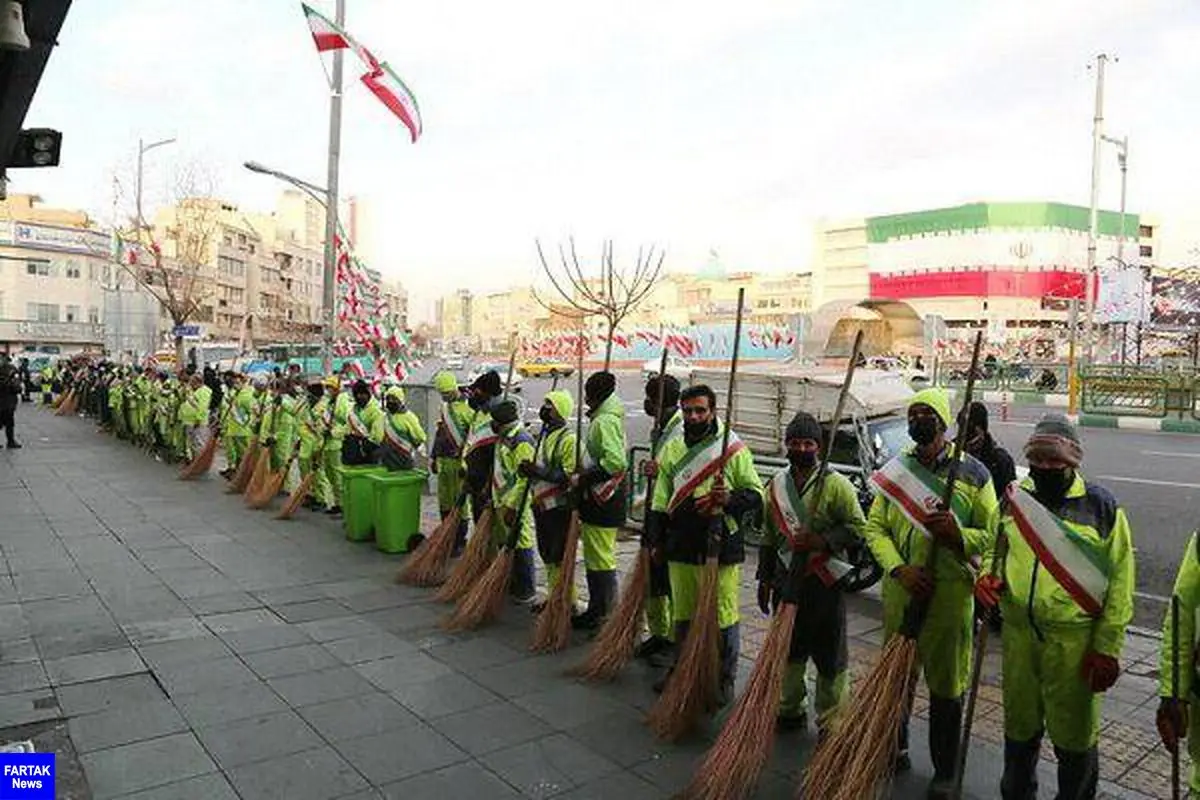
<point x="398" y="509"/>
<point x="358" y="501"/>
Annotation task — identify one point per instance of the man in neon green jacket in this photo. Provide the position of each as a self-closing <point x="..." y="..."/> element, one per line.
<point x="240" y="421"/>
<point x="194" y="415"/>
<point x="310" y="432"/>
<point x="1066" y="591"/>
<point x="692" y="511"/>
<point x="510" y="498"/>
<point x="905" y="520"/>
<point x="1176" y="718"/>
<point x="602" y="495"/>
<point x="337" y="411"/>
<point x="793" y="531"/>
<point x="449" y="440"/>
<point x="398" y="431"/>
<point x="551" y="472"/>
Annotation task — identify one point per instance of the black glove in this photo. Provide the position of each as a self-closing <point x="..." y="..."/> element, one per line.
<point x="528" y="469"/>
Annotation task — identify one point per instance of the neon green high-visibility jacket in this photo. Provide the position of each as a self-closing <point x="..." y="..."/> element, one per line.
<point x="1033" y="596"/>
<point x="194" y="410"/>
<point x="1187" y="589"/>
<point x="515" y="447"/>
<point x="241" y="415"/>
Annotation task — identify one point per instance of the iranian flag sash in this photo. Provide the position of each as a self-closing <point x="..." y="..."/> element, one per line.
<point x="788" y="508"/>
<point x="915" y="490"/>
<point x="1079" y="566"/>
<point x="547" y="495"/>
<point x="603" y="492"/>
<point x="357" y="426"/>
<point x="480" y="436"/>
<point x="454" y="430"/>
<point x="397" y="440"/>
<point x="699" y="464"/>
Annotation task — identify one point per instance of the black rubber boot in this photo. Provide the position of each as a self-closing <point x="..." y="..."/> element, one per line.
<point x="1020" y="769"/>
<point x="945" y="729"/>
<point x="590" y="619"/>
<point x="607" y="581"/>
<point x="522" y="587"/>
<point x="681" y="630"/>
<point x="1078" y="774"/>
<point x="731" y="647"/>
<point x="460" y="539"/>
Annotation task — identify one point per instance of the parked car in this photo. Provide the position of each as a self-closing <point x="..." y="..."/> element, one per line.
<point x="456" y="361"/>
<point x="679" y="367"/>
<point x="545" y="368"/>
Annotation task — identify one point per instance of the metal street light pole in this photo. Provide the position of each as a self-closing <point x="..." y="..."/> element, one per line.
<point x="1122" y="146"/>
<point x="318" y="193"/>
<point x="142" y="150"/>
<point x="1094" y="212"/>
<point x="331" y="202"/>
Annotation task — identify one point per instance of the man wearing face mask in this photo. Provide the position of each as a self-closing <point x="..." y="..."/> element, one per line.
<point x="602" y="504"/>
<point x="335" y="414"/>
<point x="310" y="431"/>
<point x="361" y="427"/>
<point x="480" y="448"/>
<point x="550" y="473"/>
<point x="691" y="506"/>
<point x="399" y="432"/>
<point x="658" y="604"/>
<point x="453" y="423"/>
<point x="1066" y="593"/>
<point x="905" y="520"/>
<point x="981" y="445"/>
<point x="793" y="532"/>
<point x="514" y="447"/>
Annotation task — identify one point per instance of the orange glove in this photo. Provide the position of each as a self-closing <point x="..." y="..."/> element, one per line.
<point x="988" y="590"/>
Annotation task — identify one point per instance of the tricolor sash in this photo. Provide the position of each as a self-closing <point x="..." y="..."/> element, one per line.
<point x="357" y="426"/>
<point x="546" y="495"/>
<point x="1079" y="566"/>
<point x="699" y="464"/>
<point x="788" y="507"/>
<point x="603" y="492"/>
<point x="915" y="490"/>
<point x="397" y="440"/>
<point x="454" y="430"/>
<point x="480" y="436"/>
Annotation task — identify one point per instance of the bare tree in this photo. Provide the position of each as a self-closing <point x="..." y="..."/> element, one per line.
<point x="175" y="261"/>
<point x="611" y="294"/>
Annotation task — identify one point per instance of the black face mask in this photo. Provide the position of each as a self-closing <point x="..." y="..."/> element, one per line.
<point x="476" y="402"/>
<point x="546" y="415"/>
<point x="650" y="405"/>
<point x="923" y="430"/>
<point x="1052" y="483"/>
<point x="802" y="458"/>
<point x="498" y="427"/>
<point x="695" y="431"/>
<point x="361" y="401"/>
<point x="394" y="407"/>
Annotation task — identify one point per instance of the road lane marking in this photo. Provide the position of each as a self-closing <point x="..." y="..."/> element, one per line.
<point x="1157" y="598"/>
<point x="1169" y="453"/>
<point x="1149" y="482"/>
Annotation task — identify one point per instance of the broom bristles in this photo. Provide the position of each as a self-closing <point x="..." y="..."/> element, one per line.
<point x="857" y="756"/>
<point x="692" y="690"/>
<point x="267" y="490"/>
<point x="483" y="603"/>
<point x="427" y="564"/>
<point x="262" y="468"/>
<point x="614" y="644"/>
<point x="203" y="461"/>
<point x="734" y="762"/>
<point x="552" y="630"/>
<point x="245" y="469"/>
<point x="471" y="564"/>
<point x="297" y="496"/>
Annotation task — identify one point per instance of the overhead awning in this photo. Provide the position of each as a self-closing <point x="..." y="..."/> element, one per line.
<point x="21" y="71"/>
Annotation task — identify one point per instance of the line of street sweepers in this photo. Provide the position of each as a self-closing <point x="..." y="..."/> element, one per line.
<point x="1053" y="551"/>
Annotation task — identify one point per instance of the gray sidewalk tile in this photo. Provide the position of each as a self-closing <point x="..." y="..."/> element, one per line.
<point x="389" y="597"/>
<point x="94" y="666"/>
<point x="234" y="621"/>
<point x="291" y="594"/>
<point x="327" y="630"/>
<point x="523" y="677"/>
<point x="245" y="741"/>
<point x="569" y="705"/>
<point x="225" y="705"/>
<point x="142" y="765"/>
<point x="477" y="653"/>
<point x="409" y="621"/>
<point x="108" y="694"/>
<point x="358" y="649"/>
<point x="490" y="728"/>
<point x="26" y="707"/>
<point x="164" y="630"/>
<point x="290" y="660"/>
<point x="18" y="651"/>
<point x="310" y="688"/>
<point x="269" y="637"/>
<point x="204" y="676"/>
<point x="125" y="724"/>
<point x="318" y="774"/>
<point x="443" y="696"/>
<point x="464" y="780"/>
<point x="390" y="674"/>
<point x="545" y="767"/>
<point x="27" y="676"/>
<point x="622" y="786"/>
<point x="397" y="754"/>
<point x="222" y="603"/>
<point x="212" y="786"/>
<point x="310" y="610"/>
<point x="164" y="655"/>
<point x="621" y="737"/>
<point x="46" y="583"/>
<point x="353" y="717"/>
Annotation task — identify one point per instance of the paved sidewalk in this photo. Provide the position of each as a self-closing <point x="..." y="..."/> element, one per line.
<point x="174" y="644"/>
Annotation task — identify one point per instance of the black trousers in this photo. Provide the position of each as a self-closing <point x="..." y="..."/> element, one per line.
<point x="8" y="421"/>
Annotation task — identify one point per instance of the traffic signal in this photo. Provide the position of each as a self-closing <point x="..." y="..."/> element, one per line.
<point x="36" y="147"/>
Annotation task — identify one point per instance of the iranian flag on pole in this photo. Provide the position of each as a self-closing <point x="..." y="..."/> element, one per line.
<point x="325" y="33"/>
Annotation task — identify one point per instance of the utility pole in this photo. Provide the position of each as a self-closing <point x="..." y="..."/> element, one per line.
<point x="1094" y="211"/>
<point x="1122" y="146"/>
<point x="329" y="295"/>
<point x="1072" y="367"/>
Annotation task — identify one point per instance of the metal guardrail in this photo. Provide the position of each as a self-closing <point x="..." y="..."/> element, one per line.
<point x="1044" y="377"/>
<point x="1124" y="395"/>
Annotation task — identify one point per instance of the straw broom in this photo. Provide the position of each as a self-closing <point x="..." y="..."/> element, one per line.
<point x="203" y="461"/>
<point x="482" y="603"/>
<point x="271" y="485"/>
<point x="693" y="689"/>
<point x="613" y="646"/>
<point x="246" y="466"/>
<point x="262" y="468"/>
<point x="857" y="756"/>
<point x="733" y="764"/>
<point x="552" y="628"/>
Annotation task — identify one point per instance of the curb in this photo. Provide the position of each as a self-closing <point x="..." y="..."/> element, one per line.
<point x="1019" y="398"/>
<point x="1153" y="424"/>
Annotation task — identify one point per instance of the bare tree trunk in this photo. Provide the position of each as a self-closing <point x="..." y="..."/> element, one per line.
<point x="180" y="359"/>
<point x="608" y="345"/>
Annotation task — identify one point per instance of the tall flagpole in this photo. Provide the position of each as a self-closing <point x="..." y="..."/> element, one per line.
<point x="329" y="295"/>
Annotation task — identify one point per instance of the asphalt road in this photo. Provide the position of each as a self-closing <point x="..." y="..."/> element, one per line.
<point x="1155" y="476"/>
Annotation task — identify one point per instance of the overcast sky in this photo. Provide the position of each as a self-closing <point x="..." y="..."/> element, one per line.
<point x="696" y="125"/>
